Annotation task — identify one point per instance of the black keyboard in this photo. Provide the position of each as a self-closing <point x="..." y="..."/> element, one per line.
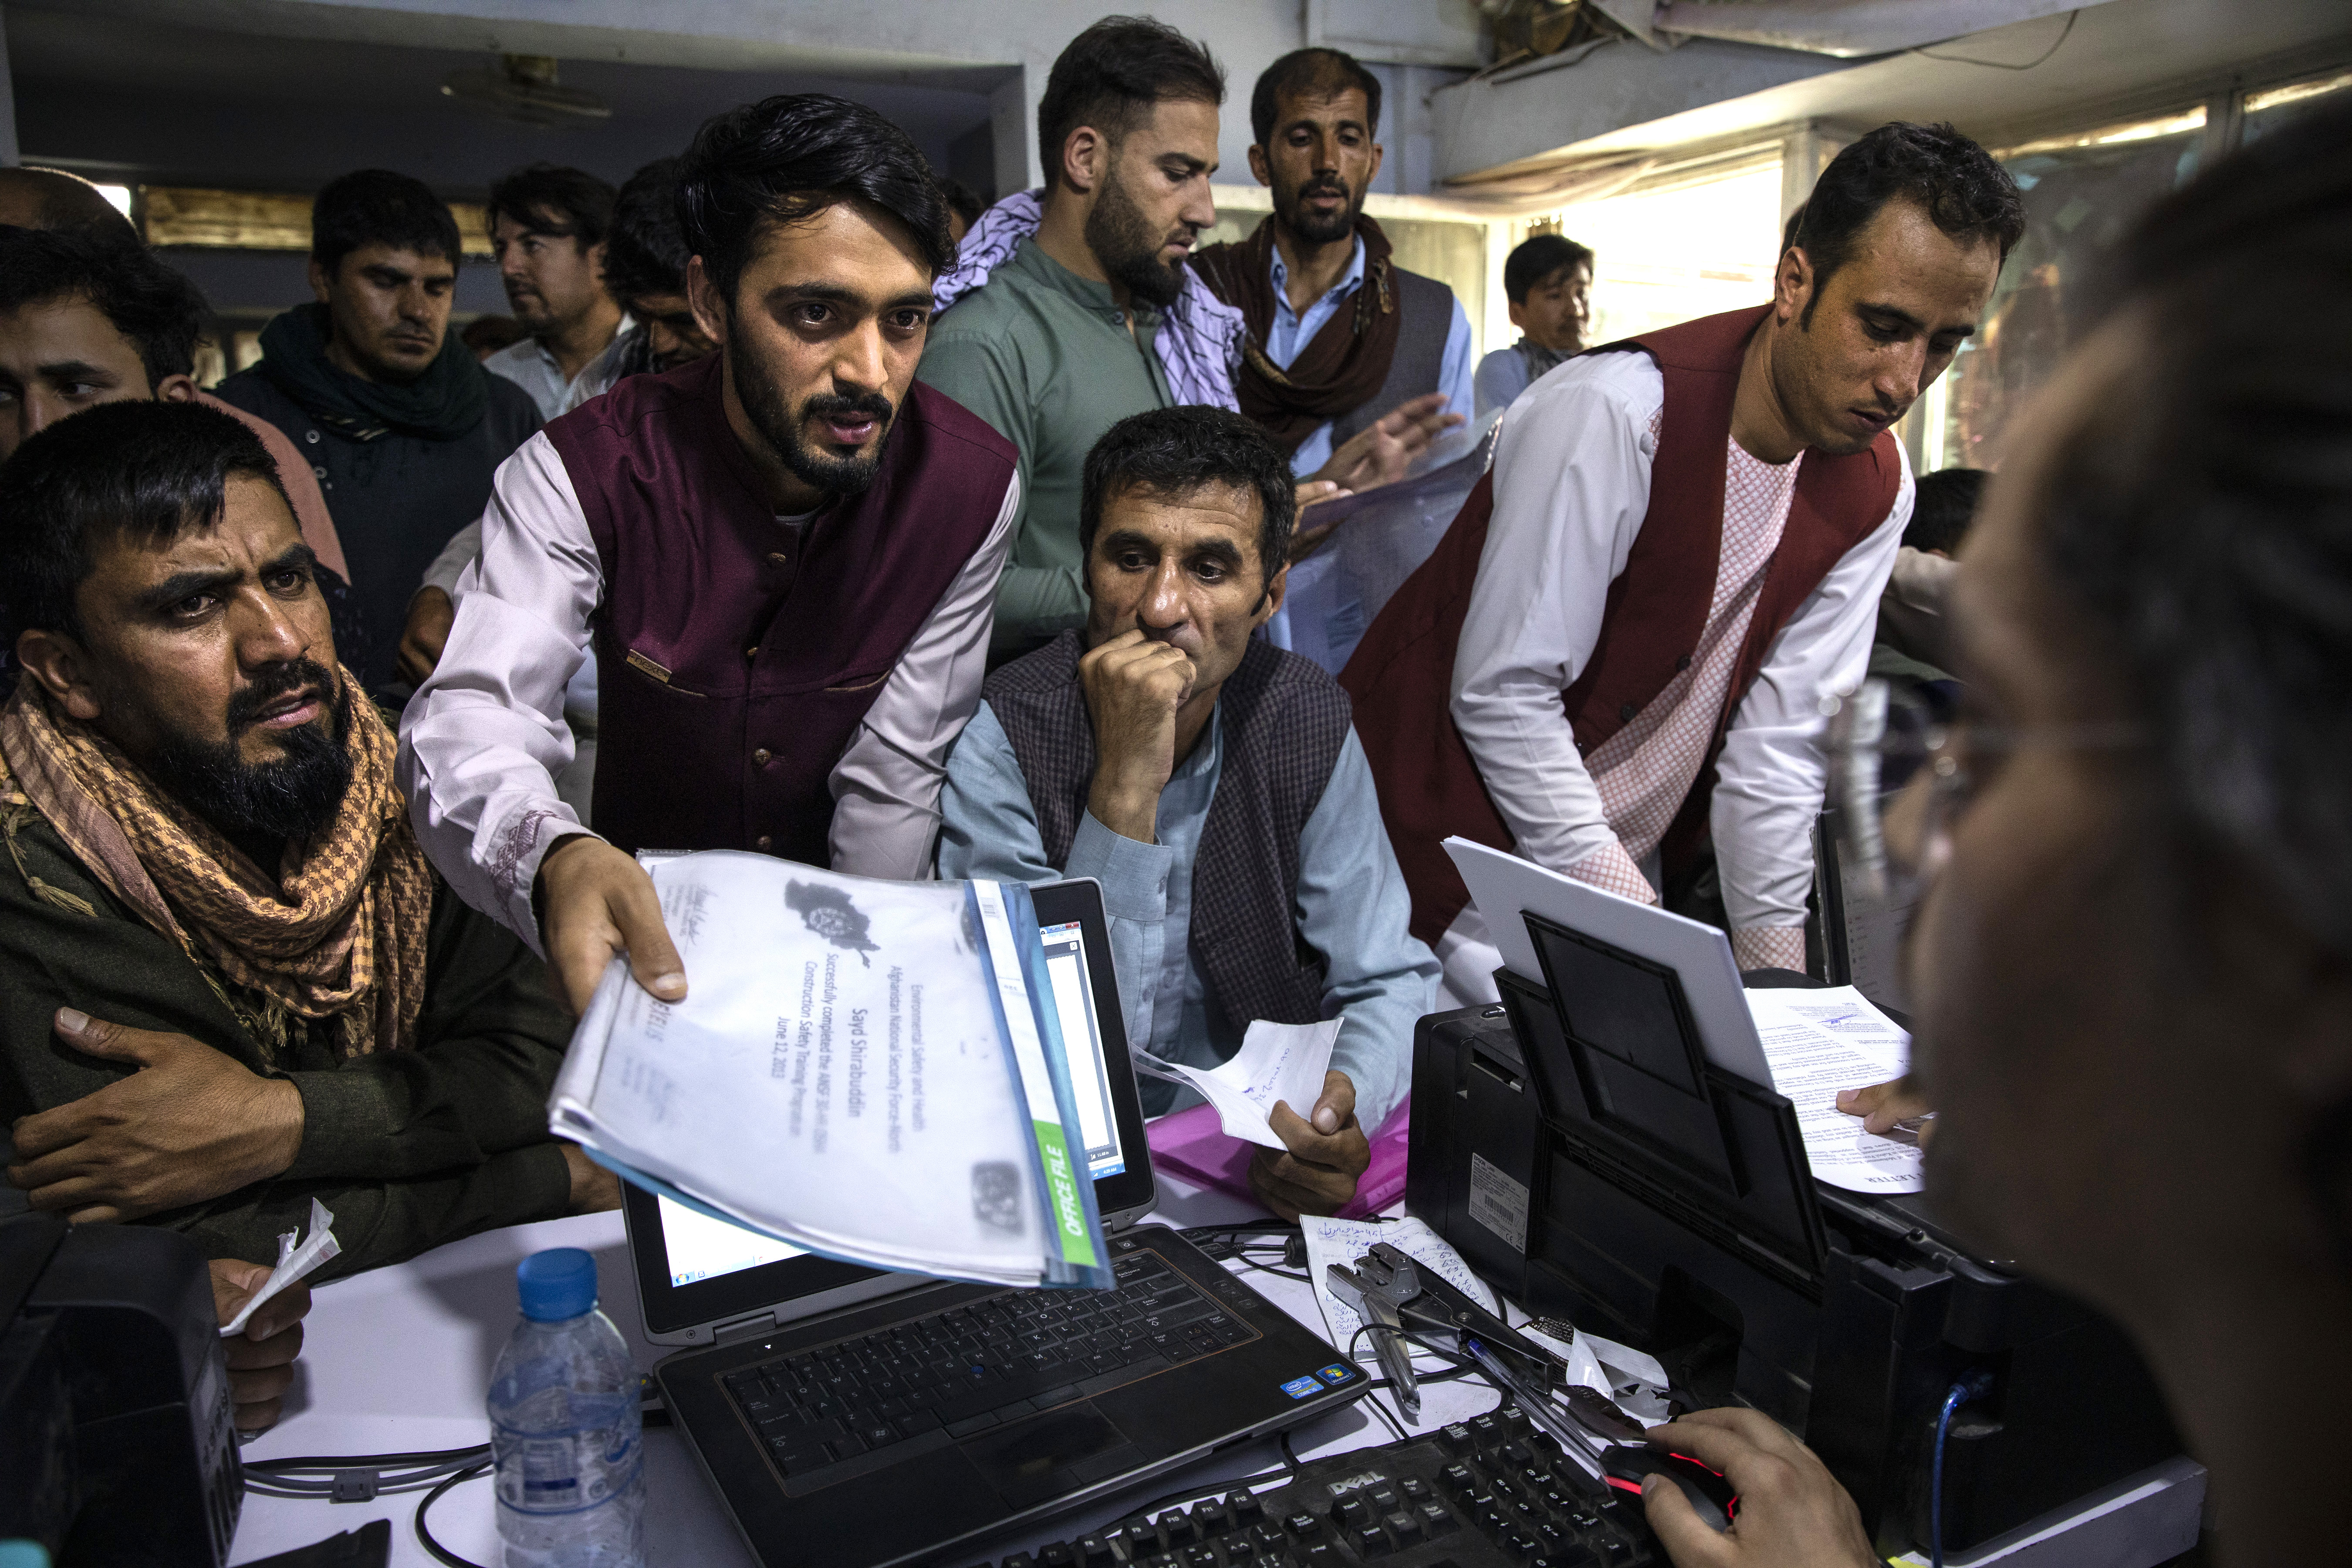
<point x="972" y="1367"/>
<point x="1490" y="1492"/>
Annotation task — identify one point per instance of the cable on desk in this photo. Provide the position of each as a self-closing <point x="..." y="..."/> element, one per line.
<point x="425" y="1534"/>
<point x="357" y="1478"/>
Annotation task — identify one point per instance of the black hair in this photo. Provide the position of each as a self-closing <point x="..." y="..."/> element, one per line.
<point x="2203" y="512"/>
<point x="150" y="471"/>
<point x="786" y="159"/>
<point x="644" y="251"/>
<point x="1942" y="506"/>
<point x="157" y="310"/>
<point x="1536" y="259"/>
<point x="68" y="201"/>
<point x="1323" y="73"/>
<point x="1113" y="75"/>
<point x="962" y="200"/>
<point x="1173" y="452"/>
<point x="1963" y="191"/>
<point x="548" y="198"/>
<point x="376" y="206"/>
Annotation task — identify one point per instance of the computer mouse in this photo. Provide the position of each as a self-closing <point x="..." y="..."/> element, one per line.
<point x="1711" y="1497"/>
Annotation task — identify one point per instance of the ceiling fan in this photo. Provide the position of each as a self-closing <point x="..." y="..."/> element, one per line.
<point x="524" y="91"/>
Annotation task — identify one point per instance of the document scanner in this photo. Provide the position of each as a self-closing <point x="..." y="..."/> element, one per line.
<point x="1580" y="1150"/>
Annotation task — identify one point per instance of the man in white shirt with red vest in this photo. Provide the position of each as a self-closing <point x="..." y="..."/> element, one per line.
<point x="1620" y="648"/>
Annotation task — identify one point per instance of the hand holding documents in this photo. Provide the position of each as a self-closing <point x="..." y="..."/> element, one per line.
<point x="862" y="1068"/>
<point x="1277" y="1063"/>
<point x="293" y="1263"/>
<point x="1820" y="1042"/>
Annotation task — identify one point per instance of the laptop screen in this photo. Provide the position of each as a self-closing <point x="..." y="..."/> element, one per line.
<point x="692" y="1268"/>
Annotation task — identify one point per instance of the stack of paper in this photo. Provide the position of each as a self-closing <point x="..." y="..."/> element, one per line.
<point x="860" y="1067"/>
<point x="1820" y="1042"/>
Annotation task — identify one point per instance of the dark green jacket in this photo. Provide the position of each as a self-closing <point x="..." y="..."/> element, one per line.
<point x="408" y="1149"/>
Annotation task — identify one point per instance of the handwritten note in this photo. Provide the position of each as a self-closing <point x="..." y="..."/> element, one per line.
<point x="1277" y="1063"/>
<point x="1343" y="1241"/>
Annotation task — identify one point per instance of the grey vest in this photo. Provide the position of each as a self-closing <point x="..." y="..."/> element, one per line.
<point x="1284" y="722"/>
<point x="1426" y="317"/>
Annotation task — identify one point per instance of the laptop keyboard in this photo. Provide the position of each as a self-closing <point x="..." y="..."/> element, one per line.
<point x="972" y="1367"/>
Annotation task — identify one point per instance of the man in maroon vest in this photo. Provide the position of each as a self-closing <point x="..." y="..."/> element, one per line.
<point x="1623" y="641"/>
<point x="783" y="557"/>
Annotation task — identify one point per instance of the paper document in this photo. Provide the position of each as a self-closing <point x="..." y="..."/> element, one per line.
<point x="1820" y="1042"/>
<point x="293" y="1263"/>
<point x="1278" y="1062"/>
<point x="1342" y="1241"/>
<point x="859" y="1068"/>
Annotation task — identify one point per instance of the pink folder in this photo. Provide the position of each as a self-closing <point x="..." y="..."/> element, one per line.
<point x="1193" y="1145"/>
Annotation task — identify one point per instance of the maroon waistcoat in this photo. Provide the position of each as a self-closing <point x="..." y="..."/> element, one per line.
<point x="1402" y="674"/>
<point x="733" y="662"/>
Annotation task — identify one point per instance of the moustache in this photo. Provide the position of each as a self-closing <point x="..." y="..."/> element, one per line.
<point x="824" y="403"/>
<point x="276" y="681"/>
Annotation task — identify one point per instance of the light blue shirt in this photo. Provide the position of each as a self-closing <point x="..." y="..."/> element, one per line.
<point x="1353" y="907"/>
<point x="1292" y="331"/>
<point x="1502" y="376"/>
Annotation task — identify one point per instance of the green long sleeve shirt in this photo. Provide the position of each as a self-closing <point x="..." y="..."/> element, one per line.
<point x="408" y="1149"/>
<point x="1046" y="358"/>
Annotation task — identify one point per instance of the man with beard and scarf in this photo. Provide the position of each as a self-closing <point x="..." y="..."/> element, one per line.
<point x="1338" y="334"/>
<point x="229" y="981"/>
<point x="400" y="424"/>
<point x="782" y="558"/>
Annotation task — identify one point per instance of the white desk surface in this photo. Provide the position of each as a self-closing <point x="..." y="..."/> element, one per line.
<point x="399" y="1359"/>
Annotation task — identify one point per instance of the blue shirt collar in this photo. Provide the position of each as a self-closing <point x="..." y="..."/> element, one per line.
<point x="1349" y="281"/>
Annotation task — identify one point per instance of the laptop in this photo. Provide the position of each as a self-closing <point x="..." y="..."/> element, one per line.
<point x="852" y="1415"/>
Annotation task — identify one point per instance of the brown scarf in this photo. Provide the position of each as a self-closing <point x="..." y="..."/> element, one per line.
<point x="338" y="934"/>
<point x="1335" y="374"/>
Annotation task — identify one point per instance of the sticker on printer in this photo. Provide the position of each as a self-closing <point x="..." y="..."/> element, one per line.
<point x="1498" y="1202"/>
<point x="1300" y="1388"/>
<point x="1335" y="1375"/>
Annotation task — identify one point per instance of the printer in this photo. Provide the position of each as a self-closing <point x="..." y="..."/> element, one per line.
<point x="1578" y="1148"/>
<point x="117" y="1436"/>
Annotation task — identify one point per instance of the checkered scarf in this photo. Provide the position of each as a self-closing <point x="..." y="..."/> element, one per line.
<point x="338" y="934"/>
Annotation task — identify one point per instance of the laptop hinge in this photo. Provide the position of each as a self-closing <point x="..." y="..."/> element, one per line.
<point x="761" y="1322"/>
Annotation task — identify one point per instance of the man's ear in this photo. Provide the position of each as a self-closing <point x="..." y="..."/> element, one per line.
<point x="321" y="280"/>
<point x="1792" y="285"/>
<point x="1260" y="170"/>
<point x="1086" y="158"/>
<point x="1519" y="319"/>
<point x="1271" y="603"/>
<point x="58" y="663"/>
<point x="595" y="254"/>
<point x="702" y="298"/>
<point x="176" y="389"/>
<point x="1375" y="173"/>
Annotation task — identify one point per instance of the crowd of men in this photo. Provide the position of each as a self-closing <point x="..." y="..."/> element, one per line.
<point x="816" y="510"/>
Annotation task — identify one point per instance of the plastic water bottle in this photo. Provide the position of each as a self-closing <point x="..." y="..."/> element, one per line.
<point x="565" y="1425"/>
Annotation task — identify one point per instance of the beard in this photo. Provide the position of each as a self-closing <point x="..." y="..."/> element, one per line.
<point x="1320" y="228"/>
<point x="291" y="798"/>
<point x="1126" y="246"/>
<point x="763" y="404"/>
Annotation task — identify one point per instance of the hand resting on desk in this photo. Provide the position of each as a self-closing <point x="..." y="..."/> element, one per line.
<point x="1329" y="1154"/>
<point x="1792" y="1514"/>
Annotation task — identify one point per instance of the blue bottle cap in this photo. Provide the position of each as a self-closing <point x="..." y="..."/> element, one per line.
<point x="556" y="1284"/>
<point x="23" y="1554"/>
